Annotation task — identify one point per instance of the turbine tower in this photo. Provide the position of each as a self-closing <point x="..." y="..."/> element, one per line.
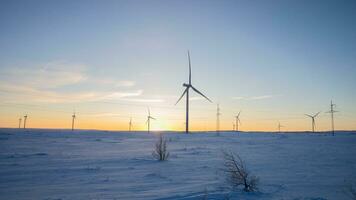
<point x="279" y="127"/>
<point x="148" y="122"/>
<point x="218" y="119"/>
<point x="332" y="111"/>
<point x="20" y="119"/>
<point x="73" y="118"/>
<point x="24" y="121"/>
<point x="237" y="118"/>
<point x="313" y="120"/>
<point x="130" y="124"/>
<point x="186" y="91"/>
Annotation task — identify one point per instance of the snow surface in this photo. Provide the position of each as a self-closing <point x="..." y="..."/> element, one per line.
<point x="60" y="164"/>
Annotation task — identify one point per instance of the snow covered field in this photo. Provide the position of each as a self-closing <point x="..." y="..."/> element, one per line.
<point x="60" y="164"/>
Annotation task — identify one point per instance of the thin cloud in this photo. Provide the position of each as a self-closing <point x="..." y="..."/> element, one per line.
<point x="254" y="97"/>
<point x="47" y="76"/>
<point x="66" y="97"/>
<point x="43" y="83"/>
<point x="142" y="100"/>
<point x="125" y="83"/>
<point x="111" y="82"/>
<point x="120" y="95"/>
<point x="262" y="97"/>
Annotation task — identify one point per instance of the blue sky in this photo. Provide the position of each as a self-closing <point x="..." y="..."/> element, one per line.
<point x="274" y="60"/>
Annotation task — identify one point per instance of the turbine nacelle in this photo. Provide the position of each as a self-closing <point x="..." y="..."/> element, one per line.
<point x="186" y="85"/>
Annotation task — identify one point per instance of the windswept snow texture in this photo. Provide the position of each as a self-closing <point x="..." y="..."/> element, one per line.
<point x="61" y="164"/>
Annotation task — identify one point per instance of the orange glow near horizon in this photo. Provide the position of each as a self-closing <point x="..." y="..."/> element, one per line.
<point x="169" y="118"/>
<point x="60" y="122"/>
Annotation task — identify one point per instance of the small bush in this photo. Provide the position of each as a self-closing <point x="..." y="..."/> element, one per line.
<point x="160" y="152"/>
<point x="237" y="173"/>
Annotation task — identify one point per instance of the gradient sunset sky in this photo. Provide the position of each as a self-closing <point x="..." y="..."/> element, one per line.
<point x="108" y="60"/>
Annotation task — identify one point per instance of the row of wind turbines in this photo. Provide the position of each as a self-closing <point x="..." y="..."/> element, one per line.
<point x="186" y="91"/>
<point x="312" y="117"/>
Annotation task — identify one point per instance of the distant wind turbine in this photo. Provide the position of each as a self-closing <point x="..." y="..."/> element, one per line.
<point x="332" y="111"/>
<point x="279" y="127"/>
<point x="20" y="119"/>
<point x="130" y="124"/>
<point x="237" y="118"/>
<point x="313" y="120"/>
<point x="73" y="118"/>
<point x="218" y="119"/>
<point x="186" y="91"/>
<point x="148" y="122"/>
<point x="24" y="121"/>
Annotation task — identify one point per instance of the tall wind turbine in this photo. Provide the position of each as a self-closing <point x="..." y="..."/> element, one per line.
<point x="279" y="127"/>
<point x="24" y="121"/>
<point x="332" y="111"/>
<point x="73" y="118"/>
<point x="237" y="118"/>
<point x="149" y="117"/>
<point x="130" y="124"/>
<point x="218" y="119"/>
<point x="313" y="120"/>
<point x="20" y="119"/>
<point x="186" y="91"/>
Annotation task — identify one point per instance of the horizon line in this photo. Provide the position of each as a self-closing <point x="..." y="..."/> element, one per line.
<point x="180" y="131"/>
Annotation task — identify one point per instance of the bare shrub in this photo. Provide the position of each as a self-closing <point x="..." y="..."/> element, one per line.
<point x="237" y="173"/>
<point x="160" y="152"/>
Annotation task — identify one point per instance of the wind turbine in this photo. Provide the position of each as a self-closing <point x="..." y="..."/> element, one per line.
<point x="218" y="119"/>
<point x="313" y="120"/>
<point x="233" y="126"/>
<point x="130" y="124"/>
<point x="73" y="118"/>
<point x="332" y="111"/>
<point x="237" y="118"/>
<point x="149" y="117"/>
<point x="186" y="91"/>
<point x="279" y="127"/>
<point x="20" y="119"/>
<point x="24" y="121"/>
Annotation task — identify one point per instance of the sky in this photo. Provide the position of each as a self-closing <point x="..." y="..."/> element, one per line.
<point x="107" y="61"/>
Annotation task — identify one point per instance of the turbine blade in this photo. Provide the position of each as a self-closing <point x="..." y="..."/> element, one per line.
<point x="149" y="113"/>
<point x="316" y="114"/>
<point x="153" y="118"/>
<point x="185" y="91"/>
<point x="309" y="115"/>
<point x="238" y="115"/>
<point x="190" y="70"/>
<point x="197" y="91"/>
